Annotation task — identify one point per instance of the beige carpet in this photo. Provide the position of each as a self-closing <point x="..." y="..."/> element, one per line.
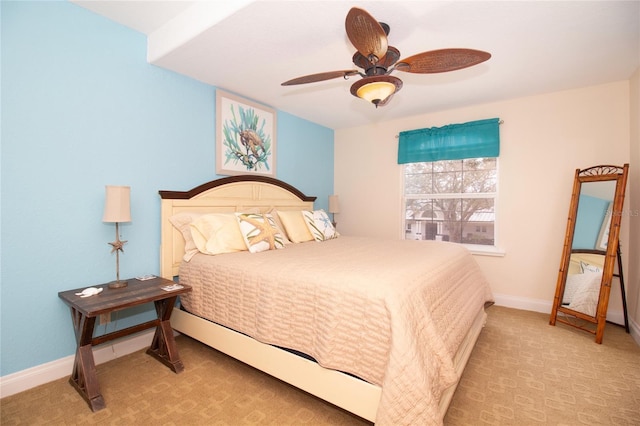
<point x="522" y="372"/>
<point x="526" y="372"/>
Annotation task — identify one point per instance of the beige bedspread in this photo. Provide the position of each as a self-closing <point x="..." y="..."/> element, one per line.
<point x="388" y="311"/>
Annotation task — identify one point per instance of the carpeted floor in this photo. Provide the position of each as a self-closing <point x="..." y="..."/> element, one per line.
<point x="522" y="372"/>
<point x="526" y="372"/>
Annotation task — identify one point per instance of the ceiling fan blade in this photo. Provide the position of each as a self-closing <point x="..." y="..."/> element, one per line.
<point x="442" y="60"/>
<point x="365" y="33"/>
<point x="312" y="78"/>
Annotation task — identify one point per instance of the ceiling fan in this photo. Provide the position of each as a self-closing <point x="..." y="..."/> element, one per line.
<point x="379" y="60"/>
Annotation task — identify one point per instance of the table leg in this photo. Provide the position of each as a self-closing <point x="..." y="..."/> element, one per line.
<point x="163" y="347"/>
<point x="84" y="376"/>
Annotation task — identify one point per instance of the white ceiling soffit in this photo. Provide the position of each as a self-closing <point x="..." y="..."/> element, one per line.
<point x="251" y="47"/>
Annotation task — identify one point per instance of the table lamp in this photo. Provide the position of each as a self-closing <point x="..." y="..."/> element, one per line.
<point x="117" y="209"/>
<point x="334" y="207"/>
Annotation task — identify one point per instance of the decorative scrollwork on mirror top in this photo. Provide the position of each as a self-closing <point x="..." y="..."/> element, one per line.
<point x="593" y="229"/>
<point x="601" y="170"/>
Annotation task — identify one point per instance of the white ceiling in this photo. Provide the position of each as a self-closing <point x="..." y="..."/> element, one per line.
<point x="250" y="47"/>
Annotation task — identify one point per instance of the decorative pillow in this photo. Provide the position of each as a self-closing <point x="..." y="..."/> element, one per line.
<point x="279" y="226"/>
<point x="181" y="222"/>
<point x="319" y="225"/>
<point x="570" y="287"/>
<point x="217" y="233"/>
<point x="586" y="292"/>
<point x="294" y="224"/>
<point x="259" y="232"/>
<point x="586" y="267"/>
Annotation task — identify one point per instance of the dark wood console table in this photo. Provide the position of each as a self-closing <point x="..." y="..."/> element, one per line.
<point x="85" y="310"/>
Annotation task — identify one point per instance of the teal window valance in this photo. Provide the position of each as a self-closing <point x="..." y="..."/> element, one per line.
<point x="452" y="142"/>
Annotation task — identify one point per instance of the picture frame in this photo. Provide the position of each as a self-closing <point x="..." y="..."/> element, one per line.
<point x="603" y="235"/>
<point x="245" y="136"/>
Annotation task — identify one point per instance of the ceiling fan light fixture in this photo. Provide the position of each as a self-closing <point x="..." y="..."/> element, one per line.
<point x="376" y="89"/>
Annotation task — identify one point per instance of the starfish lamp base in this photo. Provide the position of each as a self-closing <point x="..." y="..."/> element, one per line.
<point x="117" y="247"/>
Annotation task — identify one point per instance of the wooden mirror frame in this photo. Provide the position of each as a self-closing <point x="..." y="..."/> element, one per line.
<point x="592" y="174"/>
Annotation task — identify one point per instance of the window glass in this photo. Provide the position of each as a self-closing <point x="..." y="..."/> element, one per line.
<point x="451" y="200"/>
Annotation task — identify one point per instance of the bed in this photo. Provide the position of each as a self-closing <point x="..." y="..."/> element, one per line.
<point x="380" y="328"/>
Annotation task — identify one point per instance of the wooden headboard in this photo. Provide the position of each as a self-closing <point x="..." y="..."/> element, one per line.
<point x="229" y="194"/>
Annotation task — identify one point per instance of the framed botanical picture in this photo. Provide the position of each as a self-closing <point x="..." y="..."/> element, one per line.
<point x="245" y="136"/>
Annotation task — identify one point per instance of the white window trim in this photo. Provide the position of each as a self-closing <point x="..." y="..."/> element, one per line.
<point x="481" y="250"/>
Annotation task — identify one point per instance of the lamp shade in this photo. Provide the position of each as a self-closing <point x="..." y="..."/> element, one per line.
<point x="377" y="88"/>
<point x="380" y="90"/>
<point x="334" y="205"/>
<point x="117" y="206"/>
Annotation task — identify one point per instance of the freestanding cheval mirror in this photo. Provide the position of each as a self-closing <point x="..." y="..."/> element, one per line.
<point x="591" y="249"/>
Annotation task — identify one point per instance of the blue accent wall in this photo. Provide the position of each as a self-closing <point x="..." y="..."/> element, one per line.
<point x="81" y="109"/>
<point x="591" y="213"/>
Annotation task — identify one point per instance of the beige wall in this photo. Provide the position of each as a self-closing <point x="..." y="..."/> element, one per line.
<point x="633" y="203"/>
<point x="544" y="139"/>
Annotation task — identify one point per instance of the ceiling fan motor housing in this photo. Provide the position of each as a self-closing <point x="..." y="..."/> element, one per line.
<point x="374" y="67"/>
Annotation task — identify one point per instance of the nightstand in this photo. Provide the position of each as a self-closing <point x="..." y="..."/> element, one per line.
<point x="85" y="310"/>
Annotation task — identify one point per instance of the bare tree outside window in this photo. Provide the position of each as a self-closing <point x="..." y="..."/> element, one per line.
<point x="452" y="200"/>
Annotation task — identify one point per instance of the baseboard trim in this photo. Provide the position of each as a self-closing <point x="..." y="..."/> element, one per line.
<point x="523" y="303"/>
<point x="544" y="306"/>
<point x="635" y="331"/>
<point x="54" y="370"/>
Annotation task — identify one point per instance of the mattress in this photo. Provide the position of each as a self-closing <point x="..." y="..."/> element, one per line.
<point x="391" y="312"/>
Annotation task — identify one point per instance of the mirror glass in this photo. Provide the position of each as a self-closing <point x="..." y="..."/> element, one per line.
<point x="589" y="245"/>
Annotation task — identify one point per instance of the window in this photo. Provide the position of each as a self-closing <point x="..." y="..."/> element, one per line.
<point x="451" y="200"/>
